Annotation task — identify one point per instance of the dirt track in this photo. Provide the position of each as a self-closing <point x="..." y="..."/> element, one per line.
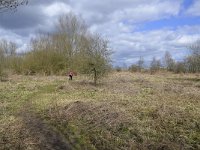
<point x="45" y="137"/>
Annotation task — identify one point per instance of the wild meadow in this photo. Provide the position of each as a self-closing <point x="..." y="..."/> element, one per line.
<point x="149" y="104"/>
<point x="124" y="111"/>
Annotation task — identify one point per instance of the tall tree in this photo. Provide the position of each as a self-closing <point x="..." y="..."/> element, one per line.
<point x="2" y="54"/>
<point x="193" y="61"/>
<point x="140" y="63"/>
<point x="168" y="61"/>
<point x="155" y="65"/>
<point x="195" y="48"/>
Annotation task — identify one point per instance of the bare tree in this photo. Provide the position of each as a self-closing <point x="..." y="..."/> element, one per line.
<point x="2" y="55"/>
<point x="7" y="54"/>
<point x="168" y="61"/>
<point x="140" y="63"/>
<point x="155" y="65"/>
<point x="180" y="67"/>
<point x="193" y="61"/>
<point x="70" y="37"/>
<point x="195" y="48"/>
<point x="6" y="5"/>
<point x="1" y="59"/>
<point x="133" y="68"/>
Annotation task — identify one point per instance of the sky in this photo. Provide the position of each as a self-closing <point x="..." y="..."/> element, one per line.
<point x="134" y="28"/>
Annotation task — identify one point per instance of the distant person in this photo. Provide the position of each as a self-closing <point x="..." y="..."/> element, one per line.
<point x="70" y="75"/>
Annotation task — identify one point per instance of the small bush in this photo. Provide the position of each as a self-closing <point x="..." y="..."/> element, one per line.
<point x="118" y="69"/>
<point x="133" y="68"/>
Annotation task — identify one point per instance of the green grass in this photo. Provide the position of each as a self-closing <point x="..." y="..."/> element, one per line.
<point x="125" y="111"/>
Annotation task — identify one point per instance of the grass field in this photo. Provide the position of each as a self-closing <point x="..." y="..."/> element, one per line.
<point x="125" y="111"/>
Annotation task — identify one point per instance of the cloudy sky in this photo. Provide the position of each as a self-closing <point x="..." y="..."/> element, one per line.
<point x="134" y="28"/>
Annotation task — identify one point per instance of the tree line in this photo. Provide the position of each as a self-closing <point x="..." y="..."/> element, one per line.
<point x="190" y="64"/>
<point x="70" y="47"/>
<point x="73" y="47"/>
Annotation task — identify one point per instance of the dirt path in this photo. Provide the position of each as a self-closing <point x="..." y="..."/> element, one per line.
<point x="44" y="136"/>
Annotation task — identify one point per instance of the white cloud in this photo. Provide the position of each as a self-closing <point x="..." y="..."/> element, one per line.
<point x="194" y="10"/>
<point x="116" y="20"/>
<point x="147" y="12"/>
<point x="131" y="10"/>
<point x="10" y="36"/>
<point x="22" y="42"/>
<point x="56" y="9"/>
<point x="130" y="46"/>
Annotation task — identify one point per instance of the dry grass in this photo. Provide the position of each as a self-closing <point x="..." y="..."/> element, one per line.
<point x="125" y="111"/>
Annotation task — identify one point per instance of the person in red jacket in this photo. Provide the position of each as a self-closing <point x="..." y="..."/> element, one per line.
<point x="71" y="75"/>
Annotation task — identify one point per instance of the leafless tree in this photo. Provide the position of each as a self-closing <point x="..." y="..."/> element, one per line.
<point x="169" y="61"/>
<point x="140" y="63"/>
<point x="193" y="61"/>
<point x="155" y="65"/>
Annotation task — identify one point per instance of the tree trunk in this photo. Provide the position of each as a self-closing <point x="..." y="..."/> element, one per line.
<point x="95" y="77"/>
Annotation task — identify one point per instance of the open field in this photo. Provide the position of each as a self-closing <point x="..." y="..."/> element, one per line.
<point x="125" y="111"/>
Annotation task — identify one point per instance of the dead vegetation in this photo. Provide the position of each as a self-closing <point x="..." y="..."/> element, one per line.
<point x="125" y="111"/>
